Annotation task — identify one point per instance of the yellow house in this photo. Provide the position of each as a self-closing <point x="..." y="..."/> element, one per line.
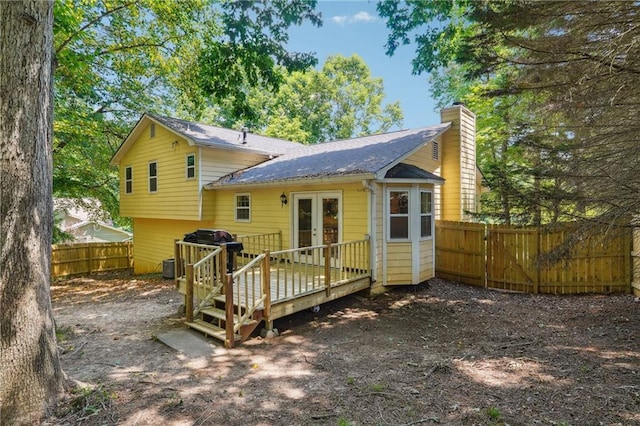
<point x="388" y="189"/>
<point x="178" y="176"/>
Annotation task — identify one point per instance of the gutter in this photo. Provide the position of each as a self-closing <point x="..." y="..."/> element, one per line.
<point x="312" y="180"/>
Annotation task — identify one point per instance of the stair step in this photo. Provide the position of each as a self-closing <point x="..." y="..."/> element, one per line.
<point x="214" y="312"/>
<point x="211" y="330"/>
<point x="221" y="315"/>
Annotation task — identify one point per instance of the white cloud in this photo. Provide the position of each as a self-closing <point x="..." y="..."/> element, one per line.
<point x="363" y="17"/>
<point x="340" y="20"/>
<point x="351" y="19"/>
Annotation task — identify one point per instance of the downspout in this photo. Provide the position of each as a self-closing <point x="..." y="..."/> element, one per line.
<point x="373" y="222"/>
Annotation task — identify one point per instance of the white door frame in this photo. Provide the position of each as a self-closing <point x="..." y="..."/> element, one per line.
<point x="317" y="229"/>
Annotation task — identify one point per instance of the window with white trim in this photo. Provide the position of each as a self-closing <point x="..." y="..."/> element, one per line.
<point x="426" y="213"/>
<point x="128" y="180"/>
<point x="398" y="214"/>
<point x="190" y="170"/>
<point x="152" y="130"/>
<point x="243" y="207"/>
<point x="153" y="176"/>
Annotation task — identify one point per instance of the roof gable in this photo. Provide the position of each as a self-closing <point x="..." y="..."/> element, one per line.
<point x="411" y="172"/>
<point x="369" y="155"/>
<point x="206" y="135"/>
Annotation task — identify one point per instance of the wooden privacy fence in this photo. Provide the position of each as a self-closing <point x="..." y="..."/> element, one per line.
<point x="86" y="258"/>
<point x="513" y="258"/>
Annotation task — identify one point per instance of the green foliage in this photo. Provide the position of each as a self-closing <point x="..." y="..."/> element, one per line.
<point x="494" y="413"/>
<point x="89" y="401"/>
<point x="340" y="101"/>
<point x="117" y="59"/>
<point x="558" y="139"/>
<point x="255" y="36"/>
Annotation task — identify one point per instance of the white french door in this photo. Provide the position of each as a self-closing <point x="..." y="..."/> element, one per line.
<point x="316" y="218"/>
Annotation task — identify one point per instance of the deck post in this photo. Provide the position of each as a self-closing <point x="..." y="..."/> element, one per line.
<point x="228" y="310"/>
<point x="327" y="269"/>
<point x="188" y="302"/>
<point x="266" y="289"/>
<point x="222" y="267"/>
<point x="177" y="267"/>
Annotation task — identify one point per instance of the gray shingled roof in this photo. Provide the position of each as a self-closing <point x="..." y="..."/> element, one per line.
<point x="212" y="136"/>
<point x="365" y="155"/>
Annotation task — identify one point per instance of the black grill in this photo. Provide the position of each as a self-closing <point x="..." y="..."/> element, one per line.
<point x="217" y="237"/>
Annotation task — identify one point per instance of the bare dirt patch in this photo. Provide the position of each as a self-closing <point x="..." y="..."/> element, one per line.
<point x="441" y="353"/>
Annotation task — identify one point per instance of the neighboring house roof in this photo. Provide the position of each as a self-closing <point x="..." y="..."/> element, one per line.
<point x="97" y="231"/>
<point x="368" y="156"/>
<point x="86" y="221"/>
<point x="206" y="135"/>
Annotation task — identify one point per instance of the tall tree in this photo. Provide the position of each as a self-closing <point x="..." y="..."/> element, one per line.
<point x="577" y="64"/>
<point x="117" y="59"/>
<point x="339" y="101"/>
<point x="30" y="375"/>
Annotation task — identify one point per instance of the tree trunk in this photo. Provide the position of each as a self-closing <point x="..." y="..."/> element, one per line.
<point x="30" y="374"/>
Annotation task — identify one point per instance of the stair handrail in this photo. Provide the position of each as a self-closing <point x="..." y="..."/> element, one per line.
<point x="216" y="289"/>
<point x="248" y="310"/>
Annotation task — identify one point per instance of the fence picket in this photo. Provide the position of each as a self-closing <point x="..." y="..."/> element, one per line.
<point x="513" y="259"/>
<point x="87" y="258"/>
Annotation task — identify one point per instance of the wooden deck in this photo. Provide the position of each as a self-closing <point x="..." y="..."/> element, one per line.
<point x="269" y="285"/>
<point x="296" y="289"/>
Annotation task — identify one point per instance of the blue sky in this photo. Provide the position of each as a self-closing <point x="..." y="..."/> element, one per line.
<point x="354" y="27"/>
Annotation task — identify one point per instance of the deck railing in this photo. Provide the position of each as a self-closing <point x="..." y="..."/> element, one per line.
<point x="305" y="270"/>
<point x="256" y="244"/>
<point x="189" y="253"/>
<point x="250" y="289"/>
<point x="267" y="278"/>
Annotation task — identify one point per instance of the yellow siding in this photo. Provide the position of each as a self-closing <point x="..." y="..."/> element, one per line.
<point x="468" y="164"/>
<point x="423" y="158"/>
<point x="268" y="215"/>
<point x="399" y="264"/>
<point x="426" y="260"/>
<point x="153" y="241"/>
<point x="458" y="165"/>
<point x="177" y="197"/>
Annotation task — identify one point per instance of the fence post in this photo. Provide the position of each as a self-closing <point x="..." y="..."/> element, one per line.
<point x="129" y="254"/>
<point x="266" y="288"/>
<point x="536" y="280"/>
<point x="188" y="298"/>
<point x="89" y="257"/>
<point x="228" y="311"/>
<point x="635" y="260"/>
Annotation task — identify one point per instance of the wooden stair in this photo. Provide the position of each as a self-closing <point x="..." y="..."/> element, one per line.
<point x="211" y="320"/>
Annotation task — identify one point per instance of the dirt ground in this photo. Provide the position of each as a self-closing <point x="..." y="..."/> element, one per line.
<point x="440" y="353"/>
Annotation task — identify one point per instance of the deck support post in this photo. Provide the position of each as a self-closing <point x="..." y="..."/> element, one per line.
<point x="188" y="298"/>
<point x="177" y="263"/>
<point x="228" y="310"/>
<point x="266" y="288"/>
<point x="222" y="267"/>
<point x="327" y="269"/>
